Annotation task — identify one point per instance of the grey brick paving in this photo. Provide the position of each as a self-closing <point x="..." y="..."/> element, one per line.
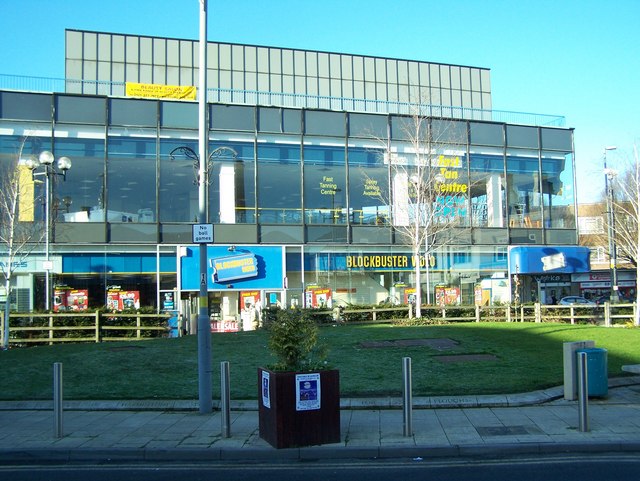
<point x="451" y="425"/>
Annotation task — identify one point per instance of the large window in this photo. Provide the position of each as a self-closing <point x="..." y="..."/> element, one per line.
<point x="524" y="207"/>
<point x="81" y="197"/>
<point x="558" y="191"/>
<point x="324" y="185"/>
<point x="487" y="186"/>
<point x="368" y="186"/>
<point x="178" y="193"/>
<point x="131" y="178"/>
<point x="279" y="188"/>
<point x="231" y="182"/>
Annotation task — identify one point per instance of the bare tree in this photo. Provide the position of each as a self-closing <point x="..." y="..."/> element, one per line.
<point x="625" y="205"/>
<point x="429" y="187"/>
<point x="20" y="233"/>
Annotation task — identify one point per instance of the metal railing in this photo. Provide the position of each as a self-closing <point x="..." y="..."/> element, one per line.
<point x="277" y="99"/>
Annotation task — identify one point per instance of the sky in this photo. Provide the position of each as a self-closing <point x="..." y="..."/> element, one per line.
<point x="575" y="58"/>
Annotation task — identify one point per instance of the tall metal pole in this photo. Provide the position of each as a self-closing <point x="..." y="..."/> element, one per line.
<point x="204" y="329"/>
<point x="608" y="178"/>
<point x="47" y="221"/>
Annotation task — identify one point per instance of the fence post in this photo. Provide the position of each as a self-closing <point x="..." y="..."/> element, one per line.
<point x="607" y="314"/>
<point x="97" y="325"/>
<point x="444" y="312"/>
<point x="374" y="313"/>
<point x="138" y="326"/>
<point x="50" y="330"/>
<point x="572" y="312"/>
<point x="538" y="312"/>
<point x="477" y="313"/>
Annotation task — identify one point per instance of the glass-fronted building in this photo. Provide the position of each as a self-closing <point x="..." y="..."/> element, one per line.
<point x="300" y="186"/>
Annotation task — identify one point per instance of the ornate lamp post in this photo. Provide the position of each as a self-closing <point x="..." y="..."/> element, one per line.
<point x="45" y="162"/>
<point x="201" y="170"/>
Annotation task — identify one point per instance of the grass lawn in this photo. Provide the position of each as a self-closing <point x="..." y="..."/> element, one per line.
<point x="526" y="357"/>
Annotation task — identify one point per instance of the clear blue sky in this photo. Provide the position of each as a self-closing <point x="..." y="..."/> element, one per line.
<point x="579" y="59"/>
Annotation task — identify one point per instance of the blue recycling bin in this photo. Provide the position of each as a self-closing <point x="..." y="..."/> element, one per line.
<point x="173" y="326"/>
<point x="597" y="374"/>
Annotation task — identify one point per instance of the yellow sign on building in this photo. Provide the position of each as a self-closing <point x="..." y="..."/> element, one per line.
<point x="158" y="91"/>
<point x="26" y="192"/>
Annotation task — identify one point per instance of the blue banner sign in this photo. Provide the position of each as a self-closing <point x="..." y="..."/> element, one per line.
<point x="234" y="267"/>
<point x="549" y="259"/>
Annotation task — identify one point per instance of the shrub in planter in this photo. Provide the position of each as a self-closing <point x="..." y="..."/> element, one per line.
<point x="293" y="339"/>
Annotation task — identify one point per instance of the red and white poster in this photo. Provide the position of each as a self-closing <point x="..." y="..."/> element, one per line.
<point x="67" y="299"/>
<point x="409" y="295"/>
<point x="319" y="297"/>
<point x="77" y="300"/>
<point x="447" y="296"/>
<point x="224" y="326"/>
<point x="120" y="300"/>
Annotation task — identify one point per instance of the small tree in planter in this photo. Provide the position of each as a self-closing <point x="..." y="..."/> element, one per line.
<point x="293" y="339"/>
<point x="299" y="400"/>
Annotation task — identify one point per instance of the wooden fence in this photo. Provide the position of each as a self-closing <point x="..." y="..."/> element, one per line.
<point x="50" y="328"/>
<point x="606" y="314"/>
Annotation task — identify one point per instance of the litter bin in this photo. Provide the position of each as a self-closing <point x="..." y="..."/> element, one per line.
<point x="597" y="378"/>
<point x="173" y="326"/>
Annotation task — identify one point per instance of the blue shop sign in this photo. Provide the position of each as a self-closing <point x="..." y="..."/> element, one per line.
<point x="230" y="268"/>
<point x="549" y="259"/>
<point x="234" y="268"/>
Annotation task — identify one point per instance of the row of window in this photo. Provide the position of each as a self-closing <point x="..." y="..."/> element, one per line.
<point x="73" y="109"/>
<point x="274" y="180"/>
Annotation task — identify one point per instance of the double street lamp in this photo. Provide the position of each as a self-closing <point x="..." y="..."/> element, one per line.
<point x="43" y="165"/>
<point x="609" y="175"/>
<point x="202" y="168"/>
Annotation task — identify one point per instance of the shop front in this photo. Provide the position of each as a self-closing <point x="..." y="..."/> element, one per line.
<point x="543" y="273"/>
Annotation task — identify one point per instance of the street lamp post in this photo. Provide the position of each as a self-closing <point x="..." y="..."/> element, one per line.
<point x="46" y="160"/>
<point x="609" y="174"/>
<point x="202" y="170"/>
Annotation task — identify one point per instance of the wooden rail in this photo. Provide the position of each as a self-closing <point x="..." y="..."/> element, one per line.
<point x="51" y="328"/>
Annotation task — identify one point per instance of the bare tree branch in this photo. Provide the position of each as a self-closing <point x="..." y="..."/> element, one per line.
<point x="20" y="232"/>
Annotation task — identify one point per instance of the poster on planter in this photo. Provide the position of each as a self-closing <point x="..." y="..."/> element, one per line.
<point x="307" y="392"/>
<point x="266" y="400"/>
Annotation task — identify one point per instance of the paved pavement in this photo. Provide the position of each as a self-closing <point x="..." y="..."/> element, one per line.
<point x="531" y="423"/>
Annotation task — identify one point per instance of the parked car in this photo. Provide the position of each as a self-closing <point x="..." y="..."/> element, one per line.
<point x="576" y="301"/>
<point x="621" y="299"/>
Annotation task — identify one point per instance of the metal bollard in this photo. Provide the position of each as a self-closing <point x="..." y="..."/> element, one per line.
<point x="57" y="400"/>
<point x="583" y="392"/>
<point x="225" y="399"/>
<point x="407" y="400"/>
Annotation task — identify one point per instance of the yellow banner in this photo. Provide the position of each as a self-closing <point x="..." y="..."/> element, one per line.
<point x="158" y="91"/>
<point x="26" y="193"/>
